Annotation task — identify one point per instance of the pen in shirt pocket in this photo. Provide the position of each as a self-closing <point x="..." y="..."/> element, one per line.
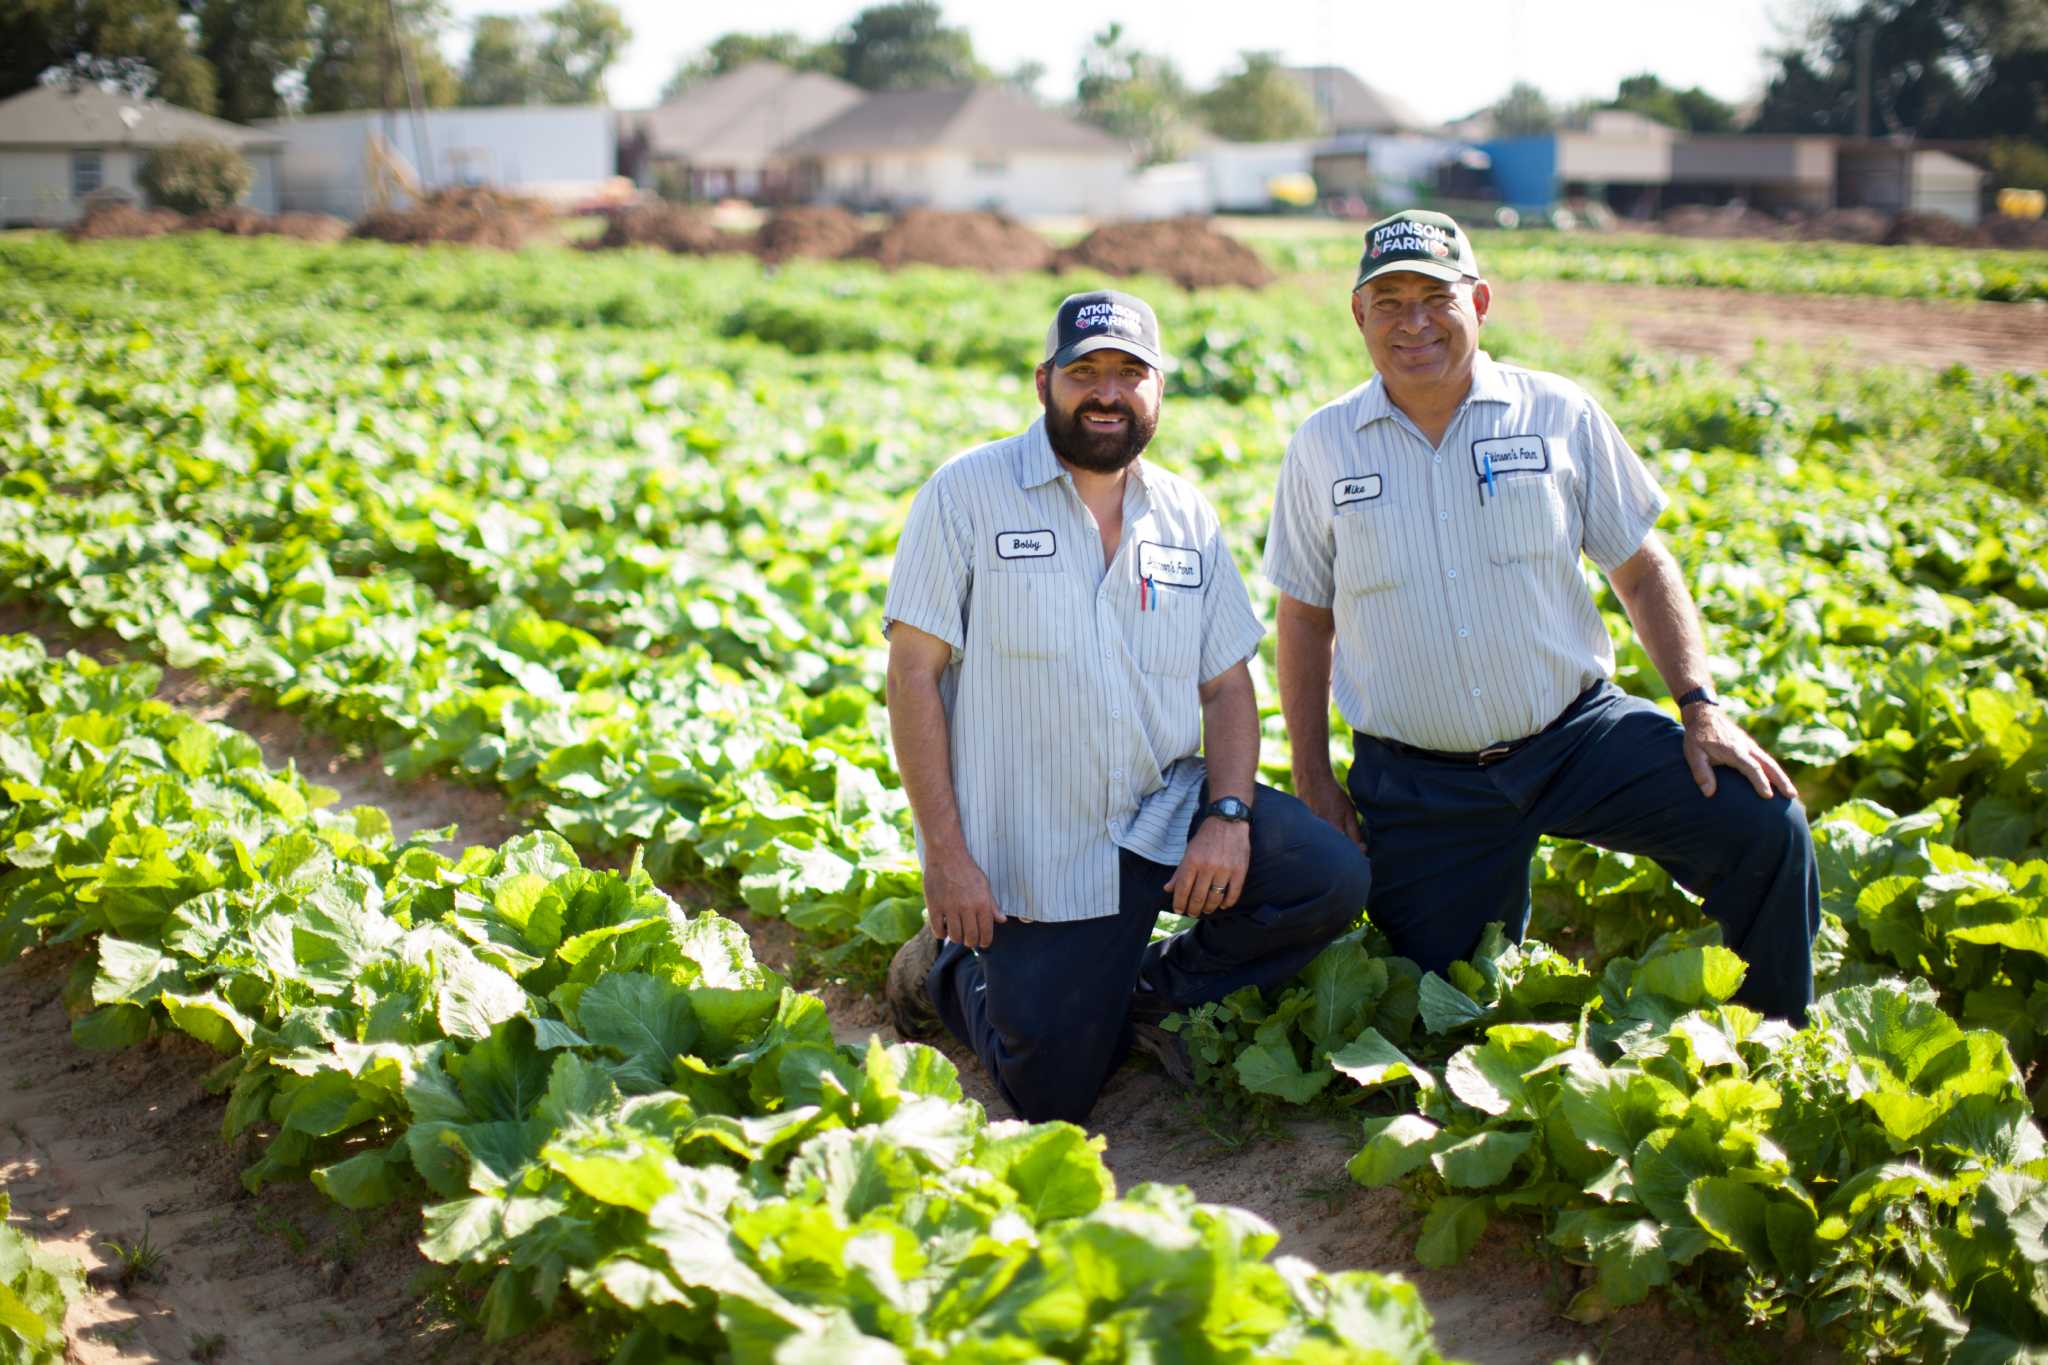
<point x="1486" y="484"/>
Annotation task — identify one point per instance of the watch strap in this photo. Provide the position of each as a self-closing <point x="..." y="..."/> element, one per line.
<point x="1242" y="809"/>
<point x="1705" y="694"/>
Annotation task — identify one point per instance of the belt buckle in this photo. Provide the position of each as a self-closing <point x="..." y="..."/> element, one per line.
<point x="1493" y="752"/>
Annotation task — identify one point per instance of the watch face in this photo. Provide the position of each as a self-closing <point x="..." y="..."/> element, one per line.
<point x="1230" y="808"/>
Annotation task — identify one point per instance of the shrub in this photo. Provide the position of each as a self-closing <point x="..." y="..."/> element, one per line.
<point x="195" y="175"/>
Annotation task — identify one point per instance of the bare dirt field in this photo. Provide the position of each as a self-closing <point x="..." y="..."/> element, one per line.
<point x="1728" y="324"/>
<point x="103" y="1147"/>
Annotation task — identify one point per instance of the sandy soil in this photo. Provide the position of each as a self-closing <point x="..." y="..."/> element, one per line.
<point x="1727" y="324"/>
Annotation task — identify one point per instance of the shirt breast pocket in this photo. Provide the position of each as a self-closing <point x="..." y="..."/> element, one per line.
<point x="1524" y="519"/>
<point x="1168" y="638"/>
<point x="1368" y="551"/>
<point x="1026" y="614"/>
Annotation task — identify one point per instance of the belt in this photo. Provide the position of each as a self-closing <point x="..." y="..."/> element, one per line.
<point x="1478" y="758"/>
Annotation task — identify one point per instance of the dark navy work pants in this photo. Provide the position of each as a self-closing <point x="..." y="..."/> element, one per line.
<point x="1047" y="1006"/>
<point x="1451" y="842"/>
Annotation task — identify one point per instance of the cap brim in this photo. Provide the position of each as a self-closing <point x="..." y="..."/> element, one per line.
<point x="1103" y="343"/>
<point x="1436" y="270"/>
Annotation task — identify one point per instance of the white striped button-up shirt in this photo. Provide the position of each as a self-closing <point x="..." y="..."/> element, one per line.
<point x="1071" y="695"/>
<point x="1463" y="618"/>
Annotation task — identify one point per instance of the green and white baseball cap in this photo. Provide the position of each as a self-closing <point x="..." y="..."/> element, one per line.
<point x="1415" y="239"/>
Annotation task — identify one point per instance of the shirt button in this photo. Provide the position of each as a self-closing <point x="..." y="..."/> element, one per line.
<point x="1475" y="691"/>
<point x="1452" y="573"/>
<point x="1117" y="774"/>
<point x="1463" y="631"/>
<point x="1443" y="516"/>
<point x="1115" y="714"/>
<point x="1438" y="460"/>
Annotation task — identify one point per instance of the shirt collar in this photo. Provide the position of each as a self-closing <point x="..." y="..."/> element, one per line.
<point x="1036" y="465"/>
<point x="1488" y="386"/>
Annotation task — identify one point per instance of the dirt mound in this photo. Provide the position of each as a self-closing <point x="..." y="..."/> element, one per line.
<point x="668" y="226"/>
<point x="823" y="231"/>
<point x="1929" y="229"/>
<point x="2019" y="234"/>
<point x="1844" y="225"/>
<point x="475" y="216"/>
<point x="109" y="220"/>
<point x="309" y="227"/>
<point x="243" y="221"/>
<point x="1730" y="220"/>
<point x="974" y="241"/>
<point x="1189" y="251"/>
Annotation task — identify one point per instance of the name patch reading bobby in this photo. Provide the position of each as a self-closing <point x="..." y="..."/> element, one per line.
<point x="1025" y="544"/>
<point x="1361" y="488"/>
<point x="1170" y="565"/>
<point x="1510" y="455"/>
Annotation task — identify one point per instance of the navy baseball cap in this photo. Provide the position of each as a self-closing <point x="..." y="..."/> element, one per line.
<point x="1427" y="243"/>
<point x="1100" y="320"/>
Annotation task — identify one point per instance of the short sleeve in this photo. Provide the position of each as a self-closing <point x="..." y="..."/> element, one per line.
<point x="1619" y="500"/>
<point x="1230" y="628"/>
<point x="1301" y="547"/>
<point x="934" y="569"/>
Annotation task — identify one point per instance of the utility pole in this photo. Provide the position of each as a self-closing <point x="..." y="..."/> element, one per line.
<point x="1866" y="41"/>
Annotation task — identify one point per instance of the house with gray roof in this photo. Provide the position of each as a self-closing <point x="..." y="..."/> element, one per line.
<point x="720" y="137"/>
<point x="969" y="147"/>
<point x="1346" y="104"/>
<point x="63" y="145"/>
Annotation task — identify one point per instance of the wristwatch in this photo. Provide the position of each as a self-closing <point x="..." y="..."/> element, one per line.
<point x="1229" y="808"/>
<point x="1705" y="694"/>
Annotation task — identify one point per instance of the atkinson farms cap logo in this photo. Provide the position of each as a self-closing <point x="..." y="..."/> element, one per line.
<point x="1100" y="319"/>
<point x="1418" y="240"/>
<point x="1115" y="316"/>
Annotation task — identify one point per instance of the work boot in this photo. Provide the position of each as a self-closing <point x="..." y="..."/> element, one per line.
<point x="910" y="1004"/>
<point x="1149" y="1035"/>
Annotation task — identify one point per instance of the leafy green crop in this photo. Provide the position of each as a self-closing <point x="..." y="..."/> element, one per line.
<point x="36" y="1290"/>
<point x="604" y="1103"/>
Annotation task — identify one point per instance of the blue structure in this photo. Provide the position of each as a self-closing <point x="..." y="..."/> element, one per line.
<point x="1524" y="171"/>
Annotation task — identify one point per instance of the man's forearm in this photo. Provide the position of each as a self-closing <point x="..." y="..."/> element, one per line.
<point x="1304" y="648"/>
<point x="1666" y="621"/>
<point x="924" y="757"/>
<point x="1230" y="742"/>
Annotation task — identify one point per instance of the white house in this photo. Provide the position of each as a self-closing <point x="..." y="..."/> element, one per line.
<point x="561" y="153"/>
<point x="972" y="147"/>
<point x="61" y="144"/>
<point x="720" y="136"/>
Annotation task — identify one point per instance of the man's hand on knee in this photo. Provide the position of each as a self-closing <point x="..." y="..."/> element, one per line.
<point x="958" y="902"/>
<point x="1326" y="797"/>
<point x="1711" y="740"/>
<point x="1211" y="872"/>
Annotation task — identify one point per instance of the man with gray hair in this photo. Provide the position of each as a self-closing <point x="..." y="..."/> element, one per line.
<point x="1426" y="541"/>
<point x="1079" y="737"/>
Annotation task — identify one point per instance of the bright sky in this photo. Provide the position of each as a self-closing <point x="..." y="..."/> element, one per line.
<point x="1570" y="49"/>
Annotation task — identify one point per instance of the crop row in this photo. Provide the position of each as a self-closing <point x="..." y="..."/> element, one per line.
<point x="595" y="1094"/>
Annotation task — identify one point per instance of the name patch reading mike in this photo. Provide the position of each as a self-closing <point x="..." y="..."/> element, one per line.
<point x="1359" y="488"/>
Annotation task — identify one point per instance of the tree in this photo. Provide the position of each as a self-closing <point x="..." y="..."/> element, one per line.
<point x="256" y="49"/>
<point x="142" y="46"/>
<point x="731" y="51"/>
<point x="1258" y="103"/>
<point x="1523" y="112"/>
<point x="1134" y="95"/>
<point x="356" y="65"/>
<point x="503" y="67"/>
<point x="904" y="46"/>
<point x="583" y="40"/>
<point x="1693" y="110"/>
<point x="1937" y="68"/>
<point x="194" y="175"/>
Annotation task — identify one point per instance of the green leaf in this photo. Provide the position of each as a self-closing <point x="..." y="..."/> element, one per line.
<point x="1451" y="1229"/>
<point x="1445" y="1008"/>
<point x="363" y="1181"/>
<point x="629" y="1174"/>
<point x="1481" y="1160"/>
<point x="1055" y="1168"/>
<point x="1734" y="1213"/>
<point x="1271" y="1069"/>
<point x="1394" y="1146"/>
<point x="1372" y="1061"/>
<point x="648" y="1021"/>
<point x="1689" y="977"/>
